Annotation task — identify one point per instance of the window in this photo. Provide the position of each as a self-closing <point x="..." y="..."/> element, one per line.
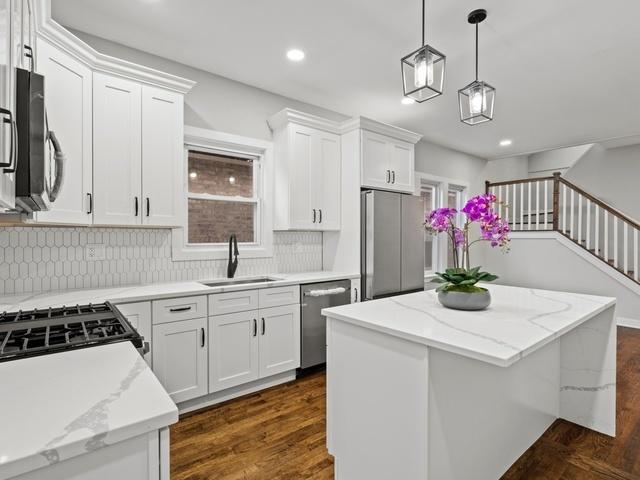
<point x="437" y="192"/>
<point x="227" y="181"/>
<point x="429" y="196"/>
<point x="222" y="198"/>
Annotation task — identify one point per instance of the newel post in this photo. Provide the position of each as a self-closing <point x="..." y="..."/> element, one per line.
<point x="556" y="200"/>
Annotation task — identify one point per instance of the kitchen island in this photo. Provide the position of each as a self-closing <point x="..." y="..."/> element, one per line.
<point x="417" y="391"/>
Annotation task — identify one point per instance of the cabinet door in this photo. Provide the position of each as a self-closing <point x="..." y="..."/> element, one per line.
<point x="279" y="339"/>
<point x="7" y="102"/>
<point x="326" y="183"/>
<point x="180" y="358"/>
<point x="162" y="156"/>
<point x="139" y="316"/>
<point x="28" y="34"/>
<point x="68" y="101"/>
<point x="402" y="165"/>
<point x="117" y="151"/>
<point x="301" y="197"/>
<point x="375" y="163"/>
<point x="234" y="350"/>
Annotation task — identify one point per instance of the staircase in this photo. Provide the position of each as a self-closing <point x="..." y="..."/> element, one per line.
<point x="555" y="204"/>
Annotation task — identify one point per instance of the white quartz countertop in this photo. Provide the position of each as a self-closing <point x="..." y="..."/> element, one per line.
<point x="518" y="322"/>
<point x="58" y="406"/>
<point x="137" y="293"/>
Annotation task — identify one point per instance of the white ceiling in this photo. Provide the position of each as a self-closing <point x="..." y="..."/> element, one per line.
<point x="566" y="72"/>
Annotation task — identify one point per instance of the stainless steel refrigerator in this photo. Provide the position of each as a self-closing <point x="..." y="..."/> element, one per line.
<point x="392" y="250"/>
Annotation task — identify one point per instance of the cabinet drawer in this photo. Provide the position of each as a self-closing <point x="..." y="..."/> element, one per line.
<point x="275" y="297"/>
<point x="174" y="309"/>
<point x="232" y="302"/>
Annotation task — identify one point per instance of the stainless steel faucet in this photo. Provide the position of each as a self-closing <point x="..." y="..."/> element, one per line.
<point x="232" y="266"/>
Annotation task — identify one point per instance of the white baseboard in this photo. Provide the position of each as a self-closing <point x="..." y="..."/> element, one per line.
<point x="628" y="322"/>
<point x="234" y="392"/>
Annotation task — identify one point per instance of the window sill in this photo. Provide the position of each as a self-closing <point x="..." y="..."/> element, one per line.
<point x="180" y="252"/>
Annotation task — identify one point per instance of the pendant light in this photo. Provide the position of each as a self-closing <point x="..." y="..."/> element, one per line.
<point x="423" y="70"/>
<point x="477" y="98"/>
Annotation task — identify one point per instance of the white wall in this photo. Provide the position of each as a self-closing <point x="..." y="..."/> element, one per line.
<point x="546" y="263"/>
<point x="543" y="164"/>
<point x="216" y="102"/>
<point x="444" y="162"/>
<point x="509" y="168"/>
<point x="611" y="175"/>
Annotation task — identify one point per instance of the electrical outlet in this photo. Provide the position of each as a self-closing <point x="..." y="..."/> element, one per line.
<point x="94" y="252"/>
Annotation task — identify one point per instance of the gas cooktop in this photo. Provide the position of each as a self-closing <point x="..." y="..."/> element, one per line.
<point x="38" y="332"/>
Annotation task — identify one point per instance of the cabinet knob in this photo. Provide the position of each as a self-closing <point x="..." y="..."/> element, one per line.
<point x="255" y="327"/>
<point x="314" y="215"/>
<point x="320" y="221"/>
<point x="263" y="326"/>
<point x="393" y="174"/>
<point x="388" y="176"/>
<point x="202" y="337"/>
<point x="136" y="206"/>
<point x="90" y="198"/>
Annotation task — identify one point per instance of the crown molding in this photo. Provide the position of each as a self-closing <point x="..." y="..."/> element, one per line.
<point x="284" y="117"/>
<point x="364" y="123"/>
<point x="54" y="33"/>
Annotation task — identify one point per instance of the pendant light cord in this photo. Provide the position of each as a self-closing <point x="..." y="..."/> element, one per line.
<point x="476" y="52"/>
<point x="423" y="22"/>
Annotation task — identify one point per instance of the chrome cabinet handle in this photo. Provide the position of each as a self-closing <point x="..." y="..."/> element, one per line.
<point x="393" y="173"/>
<point x="202" y="337"/>
<point x="179" y="309"/>
<point x="90" y="197"/>
<point x="320" y="216"/>
<point x="263" y="326"/>
<point x="314" y="215"/>
<point x="148" y="206"/>
<point x="136" y="206"/>
<point x="255" y="327"/>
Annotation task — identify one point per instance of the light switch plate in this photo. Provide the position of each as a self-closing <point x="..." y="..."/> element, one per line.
<point x="94" y="252"/>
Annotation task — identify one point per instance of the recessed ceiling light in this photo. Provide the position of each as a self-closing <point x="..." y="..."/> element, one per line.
<point x="407" y="101"/>
<point x="295" y="55"/>
<point x="505" y="143"/>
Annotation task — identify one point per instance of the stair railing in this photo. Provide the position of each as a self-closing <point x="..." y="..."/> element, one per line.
<point x="555" y="204"/>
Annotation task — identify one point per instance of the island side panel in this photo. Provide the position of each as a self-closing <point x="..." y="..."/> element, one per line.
<point x="483" y="417"/>
<point x="377" y="404"/>
<point x="588" y="373"/>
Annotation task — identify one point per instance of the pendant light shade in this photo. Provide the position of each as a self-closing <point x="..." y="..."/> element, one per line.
<point x="476" y="99"/>
<point x="423" y="70"/>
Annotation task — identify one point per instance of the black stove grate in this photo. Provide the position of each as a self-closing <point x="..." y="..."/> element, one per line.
<point x="36" y="332"/>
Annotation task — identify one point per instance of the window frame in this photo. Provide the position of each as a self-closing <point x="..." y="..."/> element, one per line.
<point x="221" y="143"/>
<point x="442" y="187"/>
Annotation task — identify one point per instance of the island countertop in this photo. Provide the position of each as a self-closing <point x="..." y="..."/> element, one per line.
<point x="518" y="322"/>
<point x="62" y="405"/>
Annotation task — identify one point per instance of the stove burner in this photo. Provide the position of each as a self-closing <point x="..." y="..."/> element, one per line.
<point x="36" y="332"/>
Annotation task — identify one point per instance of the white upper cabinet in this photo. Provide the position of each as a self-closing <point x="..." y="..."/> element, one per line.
<point x="307" y="173"/>
<point x="162" y="156"/>
<point x="68" y="100"/>
<point x="387" y="163"/>
<point x="117" y="151"/>
<point x="7" y="104"/>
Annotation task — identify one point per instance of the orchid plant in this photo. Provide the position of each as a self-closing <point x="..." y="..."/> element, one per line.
<point x="494" y="230"/>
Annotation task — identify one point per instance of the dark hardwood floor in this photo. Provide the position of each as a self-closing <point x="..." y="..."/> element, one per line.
<point x="279" y="434"/>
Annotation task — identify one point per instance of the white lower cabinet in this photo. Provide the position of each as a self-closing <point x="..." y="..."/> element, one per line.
<point x="139" y="316"/>
<point x="233" y="343"/>
<point x="246" y="346"/>
<point x="180" y="358"/>
<point x="279" y="339"/>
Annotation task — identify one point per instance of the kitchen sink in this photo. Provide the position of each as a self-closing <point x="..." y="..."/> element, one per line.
<point x="239" y="281"/>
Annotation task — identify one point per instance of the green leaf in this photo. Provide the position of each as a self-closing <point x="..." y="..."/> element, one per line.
<point x="490" y="278"/>
<point x="472" y="281"/>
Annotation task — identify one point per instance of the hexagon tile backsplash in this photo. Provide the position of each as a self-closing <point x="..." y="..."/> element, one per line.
<point x="34" y="259"/>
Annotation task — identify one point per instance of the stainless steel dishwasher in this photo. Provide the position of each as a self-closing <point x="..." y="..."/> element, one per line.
<point x="313" y="334"/>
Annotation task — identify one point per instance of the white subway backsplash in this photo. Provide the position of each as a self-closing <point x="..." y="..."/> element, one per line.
<point x="34" y="259"/>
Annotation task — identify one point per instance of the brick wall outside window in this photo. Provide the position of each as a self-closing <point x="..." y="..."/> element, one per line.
<point x="213" y="221"/>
